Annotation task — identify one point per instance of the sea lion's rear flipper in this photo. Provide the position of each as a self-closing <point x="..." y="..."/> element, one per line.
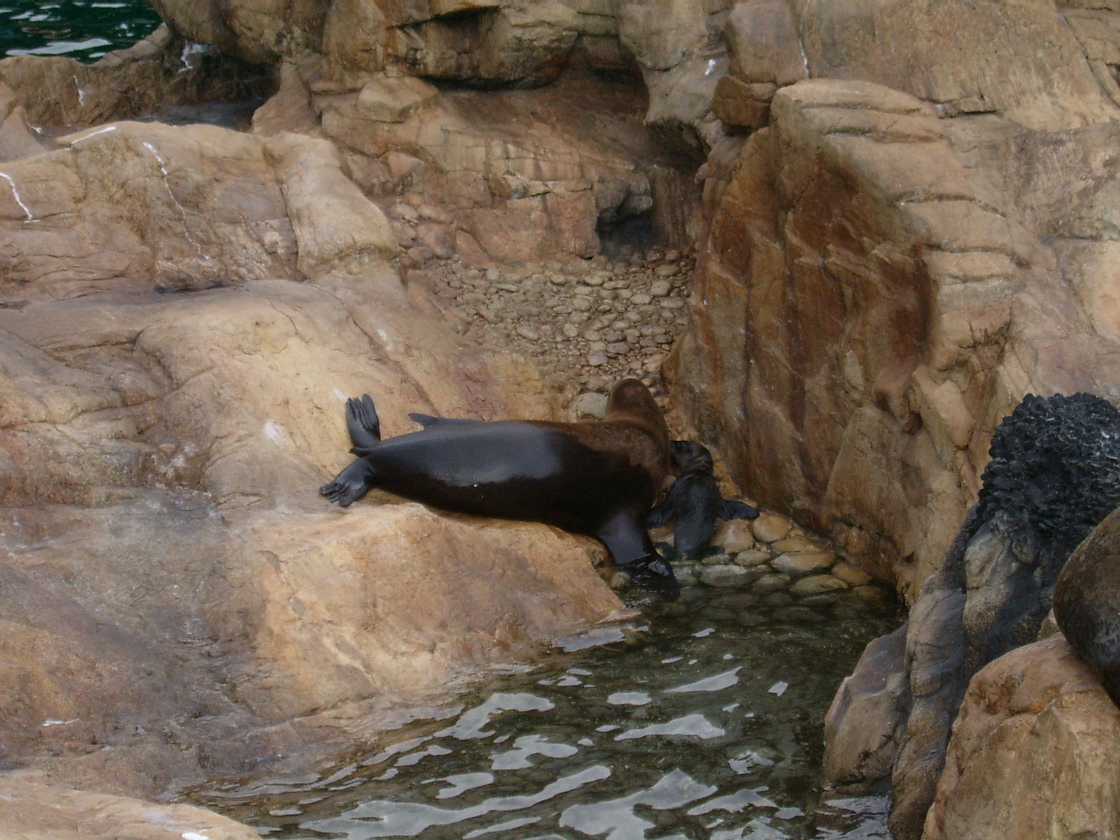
<point x="427" y="420"/>
<point x="630" y="546"/>
<point x="351" y="484"/>
<point x="736" y="510"/>
<point x="362" y="422"/>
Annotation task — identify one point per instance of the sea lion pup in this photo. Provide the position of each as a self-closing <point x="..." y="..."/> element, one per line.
<point x="695" y="500"/>
<point x="1087" y="602"/>
<point x="596" y="477"/>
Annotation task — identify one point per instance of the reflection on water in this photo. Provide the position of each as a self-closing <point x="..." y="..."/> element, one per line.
<point x="695" y="725"/>
<point x="76" y="28"/>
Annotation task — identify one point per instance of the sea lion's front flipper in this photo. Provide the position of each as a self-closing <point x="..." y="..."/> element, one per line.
<point x="630" y="546"/>
<point x="660" y="514"/>
<point x="351" y="484"/>
<point x="736" y="510"/>
<point x="362" y="422"/>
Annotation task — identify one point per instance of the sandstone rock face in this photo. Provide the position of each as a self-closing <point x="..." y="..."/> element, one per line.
<point x="865" y="314"/>
<point x="518" y="178"/>
<point x="1031" y="753"/>
<point x="30" y="811"/>
<point x="184" y="311"/>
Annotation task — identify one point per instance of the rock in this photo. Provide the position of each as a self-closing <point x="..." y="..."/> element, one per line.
<point x="1001" y="63"/>
<point x="735" y="104"/>
<point x="770" y="527"/>
<point x="734" y="535"/>
<point x="723" y="574"/>
<point x="816" y="585"/>
<point x="756" y="557"/>
<point x="158" y="72"/>
<point x="851" y="575"/>
<point x="863" y="723"/>
<point x="29" y="810"/>
<point x="592" y="404"/>
<point x="771" y="583"/>
<point x="488" y="43"/>
<point x="796" y="543"/>
<point x="1031" y="754"/>
<point x="391" y="99"/>
<point x="764" y="44"/>
<point x="1086" y="604"/>
<point x="16" y="138"/>
<point x="1054" y="473"/>
<point x="437" y="238"/>
<point x="194" y="306"/>
<point x="804" y="563"/>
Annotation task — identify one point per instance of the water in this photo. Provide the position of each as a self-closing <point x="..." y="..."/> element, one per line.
<point x="705" y="721"/>
<point x="76" y="28"/>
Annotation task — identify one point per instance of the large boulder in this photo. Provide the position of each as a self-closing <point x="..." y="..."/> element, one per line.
<point x="184" y="312"/>
<point x="1032" y="753"/>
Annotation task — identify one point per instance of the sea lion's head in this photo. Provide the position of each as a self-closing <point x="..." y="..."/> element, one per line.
<point x="631" y="402"/>
<point x="690" y="456"/>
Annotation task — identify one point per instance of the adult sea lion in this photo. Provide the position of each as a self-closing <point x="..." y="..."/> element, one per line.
<point x="695" y="501"/>
<point x="596" y="478"/>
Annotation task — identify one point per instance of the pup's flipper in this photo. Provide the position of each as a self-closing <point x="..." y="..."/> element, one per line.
<point x="736" y="510"/>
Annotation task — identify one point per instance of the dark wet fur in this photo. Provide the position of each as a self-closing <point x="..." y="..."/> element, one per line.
<point x="595" y="478"/>
<point x="694" y="499"/>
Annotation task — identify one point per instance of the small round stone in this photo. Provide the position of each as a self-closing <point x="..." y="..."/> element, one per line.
<point x="817" y="585"/>
<point x="851" y="575"/>
<point x="769" y="527"/>
<point x="803" y="563"/>
<point x="771" y="583"/>
<point x="753" y="557"/>
<point x="735" y="535"/>
<point x="721" y="575"/>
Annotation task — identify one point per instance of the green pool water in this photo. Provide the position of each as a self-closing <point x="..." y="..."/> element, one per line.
<point x="82" y="30"/>
<point x="703" y="720"/>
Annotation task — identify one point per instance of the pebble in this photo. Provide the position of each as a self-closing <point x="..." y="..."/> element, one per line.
<point x="769" y="527"/>
<point x="596" y="360"/>
<point x="771" y="583"/>
<point x="799" y="564"/>
<point x="816" y="585"/>
<point x="723" y="575"/>
<point x="795" y="543"/>
<point x="753" y="557"/>
<point x="659" y="288"/>
<point x="851" y="575"/>
<point x="404" y="212"/>
<point x="735" y="535"/>
<point x="667" y="270"/>
<point x="528" y="333"/>
<point x="591" y="404"/>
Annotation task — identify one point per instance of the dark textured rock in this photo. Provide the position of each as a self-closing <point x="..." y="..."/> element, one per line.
<point x="1087" y="603"/>
<point x="1054" y="475"/>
